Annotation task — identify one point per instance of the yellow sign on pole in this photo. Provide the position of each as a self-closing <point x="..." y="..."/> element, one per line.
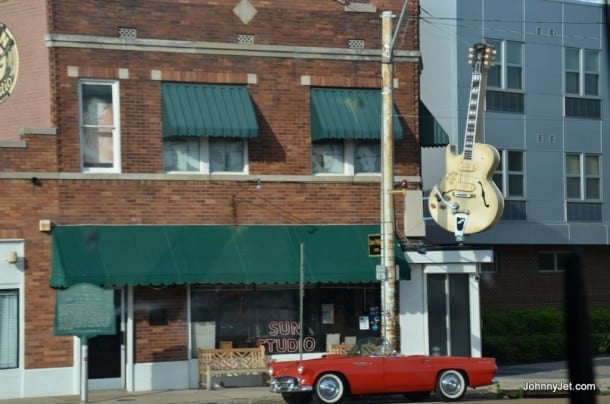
<point x="375" y="245"/>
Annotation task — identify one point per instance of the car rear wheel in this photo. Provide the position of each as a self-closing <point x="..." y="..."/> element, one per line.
<point x="450" y="385"/>
<point x="329" y="389"/>
<point x="297" y="398"/>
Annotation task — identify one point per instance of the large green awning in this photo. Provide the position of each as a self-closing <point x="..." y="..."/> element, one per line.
<point x="207" y="110"/>
<point x="213" y="254"/>
<point x="431" y="132"/>
<point x="343" y="113"/>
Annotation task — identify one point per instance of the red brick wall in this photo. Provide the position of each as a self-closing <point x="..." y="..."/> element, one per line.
<point x="282" y="105"/>
<point x="166" y="341"/>
<point x="29" y="106"/>
<point x="282" y="148"/>
<point x="22" y="205"/>
<point x="279" y="22"/>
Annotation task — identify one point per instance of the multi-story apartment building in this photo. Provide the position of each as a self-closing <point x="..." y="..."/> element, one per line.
<point x="179" y="153"/>
<point x="546" y="111"/>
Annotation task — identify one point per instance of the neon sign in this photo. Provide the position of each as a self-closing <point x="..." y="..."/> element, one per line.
<point x="284" y="338"/>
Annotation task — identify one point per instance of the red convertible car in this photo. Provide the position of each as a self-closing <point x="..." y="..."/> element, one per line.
<point x="373" y="367"/>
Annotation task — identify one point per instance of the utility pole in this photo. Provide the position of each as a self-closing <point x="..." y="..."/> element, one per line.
<point x="388" y="284"/>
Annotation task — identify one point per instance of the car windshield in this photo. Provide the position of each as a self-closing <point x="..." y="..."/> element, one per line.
<point x="374" y="346"/>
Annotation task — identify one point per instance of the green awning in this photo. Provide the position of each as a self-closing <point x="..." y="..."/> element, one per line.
<point x="341" y="113"/>
<point x="163" y="255"/>
<point x="431" y="132"/>
<point x="207" y="110"/>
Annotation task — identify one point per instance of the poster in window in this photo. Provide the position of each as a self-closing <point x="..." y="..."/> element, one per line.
<point x="98" y="120"/>
<point x="364" y="322"/>
<point x="328" y="314"/>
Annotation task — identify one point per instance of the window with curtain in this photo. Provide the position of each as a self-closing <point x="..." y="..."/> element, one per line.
<point x="347" y="157"/>
<point x="328" y="157"/>
<point x="99" y="126"/>
<point x="205" y="155"/>
<point x="9" y="329"/>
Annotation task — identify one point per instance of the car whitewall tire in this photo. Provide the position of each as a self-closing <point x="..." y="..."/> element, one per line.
<point x="450" y="385"/>
<point x="329" y="389"/>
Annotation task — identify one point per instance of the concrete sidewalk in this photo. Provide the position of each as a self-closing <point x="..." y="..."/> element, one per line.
<point x="232" y="395"/>
<point x="510" y="378"/>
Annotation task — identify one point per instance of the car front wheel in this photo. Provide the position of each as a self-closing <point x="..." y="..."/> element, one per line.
<point x="329" y="389"/>
<point x="450" y="385"/>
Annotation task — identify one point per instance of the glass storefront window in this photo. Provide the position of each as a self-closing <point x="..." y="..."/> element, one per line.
<point x="251" y="317"/>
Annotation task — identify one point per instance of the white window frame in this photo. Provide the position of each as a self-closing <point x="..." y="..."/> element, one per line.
<point x="582" y="72"/>
<point x="14" y="336"/>
<point x="502" y="63"/>
<point x="204" y="157"/>
<point x="582" y="177"/>
<point x="116" y="127"/>
<point x="349" y="167"/>
<point x="504" y="171"/>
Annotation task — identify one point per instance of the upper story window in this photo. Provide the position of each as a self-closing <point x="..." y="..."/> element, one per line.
<point x="510" y="179"/>
<point x="206" y="127"/>
<point x="346" y="157"/>
<point x="583" y="176"/>
<point x="345" y="130"/>
<point x="99" y="126"/>
<point x="205" y="155"/>
<point x="507" y="71"/>
<point x="582" y="67"/>
<point x="9" y="329"/>
<point x="583" y="188"/>
<point x="510" y="174"/>
<point x="505" y="80"/>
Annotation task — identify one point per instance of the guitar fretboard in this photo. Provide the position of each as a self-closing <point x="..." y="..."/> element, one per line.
<point x="473" y="111"/>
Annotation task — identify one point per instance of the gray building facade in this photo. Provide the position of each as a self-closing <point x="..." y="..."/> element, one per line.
<point x="546" y="112"/>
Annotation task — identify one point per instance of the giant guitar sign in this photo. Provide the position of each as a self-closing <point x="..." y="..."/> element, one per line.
<point x="467" y="200"/>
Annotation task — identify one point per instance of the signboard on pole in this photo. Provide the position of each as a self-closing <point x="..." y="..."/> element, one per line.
<point x="84" y="310"/>
<point x="374" y="245"/>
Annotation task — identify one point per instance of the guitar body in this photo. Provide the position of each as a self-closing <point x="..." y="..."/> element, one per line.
<point x="469" y="184"/>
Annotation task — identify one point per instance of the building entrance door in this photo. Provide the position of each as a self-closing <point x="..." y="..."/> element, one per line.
<point x="448" y="314"/>
<point x="107" y="353"/>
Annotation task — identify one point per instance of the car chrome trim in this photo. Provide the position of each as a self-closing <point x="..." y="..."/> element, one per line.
<point x="288" y="385"/>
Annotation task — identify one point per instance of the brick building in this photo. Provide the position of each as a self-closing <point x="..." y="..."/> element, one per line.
<point x="180" y="152"/>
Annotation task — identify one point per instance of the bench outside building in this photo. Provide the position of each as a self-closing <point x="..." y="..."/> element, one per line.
<point x="230" y="361"/>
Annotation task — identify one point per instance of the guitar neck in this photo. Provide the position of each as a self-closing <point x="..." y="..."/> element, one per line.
<point x="475" y="109"/>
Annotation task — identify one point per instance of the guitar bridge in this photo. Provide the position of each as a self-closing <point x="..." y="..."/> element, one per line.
<point x="458" y="194"/>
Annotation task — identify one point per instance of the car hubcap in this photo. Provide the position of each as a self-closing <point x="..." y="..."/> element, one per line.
<point x="328" y="389"/>
<point x="451" y="385"/>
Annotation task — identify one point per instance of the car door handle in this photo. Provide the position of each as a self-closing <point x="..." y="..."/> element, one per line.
<point x="362" y="364"/>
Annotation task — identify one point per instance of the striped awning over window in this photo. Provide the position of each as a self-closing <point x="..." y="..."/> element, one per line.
<point x="344" y="113"/>
<point x="207" y="110"/>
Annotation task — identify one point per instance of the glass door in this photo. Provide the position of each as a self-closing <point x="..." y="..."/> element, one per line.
<point x="107" y="352"/>
<point x="448" y="301"/>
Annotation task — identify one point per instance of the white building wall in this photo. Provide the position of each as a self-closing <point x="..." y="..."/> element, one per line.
<point x="413" y="309"/>
<point x="11" y="277"/>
